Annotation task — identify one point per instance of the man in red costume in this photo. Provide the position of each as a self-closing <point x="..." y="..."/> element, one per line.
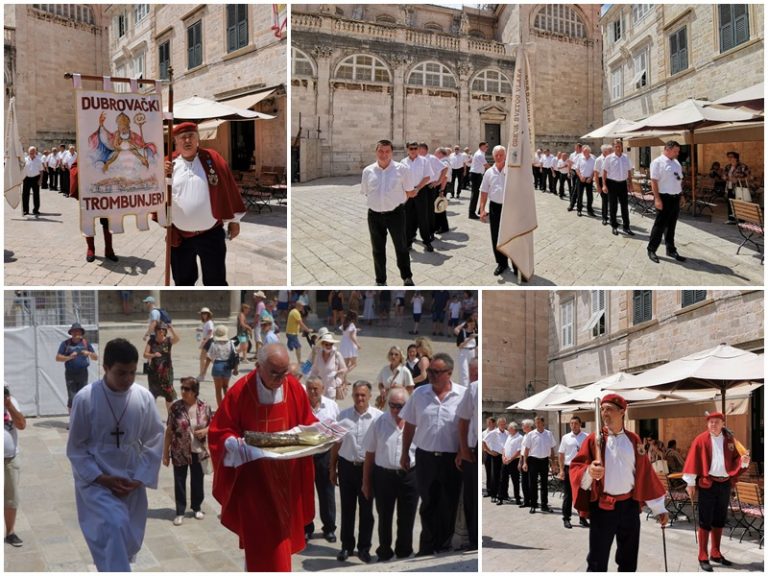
<point x="267" y="503"/>
<point x="713" y="464"/>
<point x="205" y="197"/>
<point x="612" y="486"/>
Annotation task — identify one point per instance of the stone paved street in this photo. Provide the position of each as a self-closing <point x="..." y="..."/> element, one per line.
<point x="47" y="519"/>
<point x="330" y="244"/>
<point x="50" y="251"/>
<point x="516" y="541"/>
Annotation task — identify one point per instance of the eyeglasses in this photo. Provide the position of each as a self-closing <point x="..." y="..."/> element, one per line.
<point x="395" y="405"/>
<point x="186" y="389"/>
<point x="412" y="148"/>
<point x="437" y="372"/>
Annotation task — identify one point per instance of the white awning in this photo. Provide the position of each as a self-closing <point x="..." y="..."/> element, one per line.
<point x="249" y="101"/>
<point x="209" y="129"/>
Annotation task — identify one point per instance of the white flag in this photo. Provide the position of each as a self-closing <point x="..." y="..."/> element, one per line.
<point x="14" y="157"/>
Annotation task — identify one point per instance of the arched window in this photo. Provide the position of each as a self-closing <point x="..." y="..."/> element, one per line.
<point x="385" y="19"/>
<point x="433" y="27"/>
<point x="301" y="64"/>
<point x="475" y="33"/>
<point x="363" y="69"/>
<point x="492" y="81"/>
<point x="560" y="19"/>
<point x="432" y="74"/>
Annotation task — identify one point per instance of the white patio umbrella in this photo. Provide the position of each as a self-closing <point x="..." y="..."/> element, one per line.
<point x="551" y="395"/>
<point x="752" y="97"/>
<point x="198" y="108"/>
<point x="721" y="367"/>
<point x="612" y="129"/>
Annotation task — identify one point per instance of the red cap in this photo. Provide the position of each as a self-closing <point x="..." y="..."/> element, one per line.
<point x="184" y="127"/>
<point x="715" y="415"/>
<point x="614" y="399"/>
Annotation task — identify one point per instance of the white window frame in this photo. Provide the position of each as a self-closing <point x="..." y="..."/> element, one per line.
<point x="566" y="324"/>
<point x="297" y="56"/>
<point x="362" y="71"/>
<point x="138" y="65"/>
<point x="617" y="83"/>
<point x="598" y="306"/>
<point x="481" y="80"/>
<point x="122" y="17"/>
<point x="617" y="29"/>
<point x="640" y="11"/>
<point x="560" y="19"/>
<point x="420" y="72"/>
<point x="140" y="11"/>
<point x="642" y="77"/>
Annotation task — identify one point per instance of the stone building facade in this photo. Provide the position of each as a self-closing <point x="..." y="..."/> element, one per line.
<point x="222" y="52"/>
<point x="515" y="347"/>
<point x="41" y="43"/>
<point x="596" y="333"/>
<point x="440" y="75"/>
<point x="657" y="55"/>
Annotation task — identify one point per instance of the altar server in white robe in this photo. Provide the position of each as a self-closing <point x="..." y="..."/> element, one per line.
<point x="115" y="447"/>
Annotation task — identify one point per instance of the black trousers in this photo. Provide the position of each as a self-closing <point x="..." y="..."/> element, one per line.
<point x="573" y="183"/>
<point x="393" y="222"/>
<point x="551" y="180"/>
<point x="434" y="192"/>
<point x="30" y="184"/>
<point x="64" y="181"/>
<point x="623" y="523"/>
<point x="395" y="488"/>
<point x="351" y="491"/>
<point x="665" y="223"/>
<point x="52" y="178"/>
<point x="510" y="471"/>
<point x="578" y="198"/>
<point x="538" y="473"/>
<point x="538" y="183"/>
<point x="494" y="213"/>
<point x="180" y="485"/>
<point x="561" y="178"/>
<point x="493" y="485"/>
<point x="439" y="485"/>
<point x="45" y="179"/>
<point x="567" y="494"/>
<point x="477" y="179"/>
<point x="417" y="215"/>
<point x="525" y="482"/>
<point x="469" y="477"/>
<point x="604" y="203"/>
<point x="617" y="196"/>
<point x="211" y="248"/>
<point x="487" y="466"/>
<point x="457" y="175"/>
<point x="326" y="494"/>
<point x="713" y="505"/>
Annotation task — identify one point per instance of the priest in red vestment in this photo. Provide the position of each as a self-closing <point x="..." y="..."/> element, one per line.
<point x="715" y="460"/>
<point x="265" y="502"/>
<point x="612" y="486"/>
<point x="205" y="198"/>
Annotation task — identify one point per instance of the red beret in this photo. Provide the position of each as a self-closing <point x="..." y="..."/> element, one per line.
<point x="184" y="127"/>
<point x="614" y="399"/>
<point x="715" y="415"/>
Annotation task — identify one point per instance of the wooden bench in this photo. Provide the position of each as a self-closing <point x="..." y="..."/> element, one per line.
<point x="749" y="218"/>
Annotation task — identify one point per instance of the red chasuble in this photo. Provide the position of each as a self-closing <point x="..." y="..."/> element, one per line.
<point x="266" y="503"/>
<point x="647" y="485"/>
<point x="700" y="459"/>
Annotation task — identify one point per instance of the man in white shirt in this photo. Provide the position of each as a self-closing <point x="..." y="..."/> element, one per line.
<point x="525" y="481"/>
<point x="666" y="185"/>
<point x="347" y="459"/>
<point x="492" y="194"/>
<point x="611" y="484"/>
<point x="387" y="185"/>
<point x="437" y="182"/>
<point x="53" y="165"/>
<point x="573" y="184"/>
<point x="432" y="424"/>
<point x="569" y="447"/>
<point x="510" y="459"/>
<point x="476" y="171"/>
<point x="417" y="207"/>
<point x="538" y="180"/>
<point x="538" y="448"/>
<point x="605" y="150"/>
<point x="384" y="479"/>
<point x="64" y="166"/>
<point x="324" y="410"/>
<point x="494" y="443"/>
<point x="467" y="413"/>
<point x="548" y="162"/>
<point x="456" y="160"/>
<point x="490" y="426"/>
<point x="585" y="172"/>
<point x="617" y="178"/>
<point x="33" y="168"/>
<point x="205" y="198"/>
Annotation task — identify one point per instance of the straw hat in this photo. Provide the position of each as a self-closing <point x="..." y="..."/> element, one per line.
<point x="205" y="310"/>
<point x="259" y="294"/>
<point x="326" y="338"/>
<point x="220" y="334"/>
<point x="441" y="204"/>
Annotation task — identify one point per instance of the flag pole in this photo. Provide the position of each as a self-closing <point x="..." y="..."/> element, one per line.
<point x="168" y="186"/>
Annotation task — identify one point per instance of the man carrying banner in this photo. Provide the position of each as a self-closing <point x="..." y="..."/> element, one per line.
<point x="492" y="193"/>
<point x="205" y="197"/>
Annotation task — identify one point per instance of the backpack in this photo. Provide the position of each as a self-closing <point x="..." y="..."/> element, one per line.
<point x="165" y="318"/>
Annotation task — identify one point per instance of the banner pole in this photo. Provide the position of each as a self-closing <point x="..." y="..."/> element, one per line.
<point x="168" y="186"/>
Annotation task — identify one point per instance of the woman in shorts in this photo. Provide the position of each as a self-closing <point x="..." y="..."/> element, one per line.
<point x="224" y="357"/>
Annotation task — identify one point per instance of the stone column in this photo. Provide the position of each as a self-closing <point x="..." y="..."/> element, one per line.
<point x="464" y="107"/>
<point x="399" y="66"/>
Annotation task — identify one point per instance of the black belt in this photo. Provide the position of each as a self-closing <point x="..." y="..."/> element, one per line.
<point x="384" y="213"/>
<point x="617" y="181"/>
<point x="191" y="234"/>
<point x="352" y="462"/>
<point x="437" y="454"/>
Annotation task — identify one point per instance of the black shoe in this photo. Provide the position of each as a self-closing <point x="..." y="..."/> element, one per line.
<point x="474" y="217"/>
<point x="591" y="213"/>
<point x="567" y="524"/>
<point x="532" y="510"/>
<point x="90" y="258"/>
<point x="676" y="256"/>
<point x="343" y="555"/>
<point x="722" y="561"/>
<point x="705" y="565"/>
<point x="330" y="537"/>
<point x="628" y="232"/>
<point x="500" y="502"/>
<point x="518" y="502"/>
<point x="730" y="221"/>
<point x="615" y="231"/>
<point x="500" y="269"/>
<point x="652" y="256"/>
<point x="25" y="213"/>
<point x="364" y="556"/>
<point x="584" y="522"/>
<point x="428" y="247"/>
<point x="545" y="508"/>
<point x="13" y="540"/>
<point x="424" y="552"/>
<point x="570" y="208"/>
<point x="381" y="283"/>
<point x="578" y="212"/>
<point x="112" y="257"/>
<point x="523" y="505"/>
<point x="408" y="282"/>
<point x="605" y="222"/>
<point x="36" y="212"/>
<point x="493" y="500"/>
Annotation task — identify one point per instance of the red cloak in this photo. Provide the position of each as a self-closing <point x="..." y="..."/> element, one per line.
<point x="699" y="458"/>
<point x="266" y="503"/>
<point x="647" y="485"/>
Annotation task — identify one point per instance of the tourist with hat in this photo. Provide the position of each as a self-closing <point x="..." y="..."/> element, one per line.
<point x="205" y="199"/>
<point x="206" y="337"/>
<point x="611" y="484"/>
<point x="76" y="353"/>
<point x="225" y="360"/>
<point x="715" y="461"/>
<point x="267" y="329"/>
<point x="329" y="366"/>
<point x="154" y="315"/>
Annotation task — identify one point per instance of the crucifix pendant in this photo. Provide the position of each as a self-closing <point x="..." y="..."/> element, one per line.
<point x="117" y="433"/>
